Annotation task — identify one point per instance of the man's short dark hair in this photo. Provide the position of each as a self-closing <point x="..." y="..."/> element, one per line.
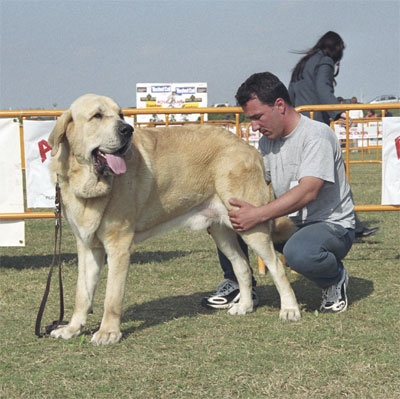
<point x="266" y="86"/>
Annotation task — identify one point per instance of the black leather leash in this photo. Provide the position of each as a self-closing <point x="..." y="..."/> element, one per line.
<point x="57" y="233"/>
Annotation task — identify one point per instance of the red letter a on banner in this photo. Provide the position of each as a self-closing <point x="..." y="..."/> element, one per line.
<point x="43" y="149"/>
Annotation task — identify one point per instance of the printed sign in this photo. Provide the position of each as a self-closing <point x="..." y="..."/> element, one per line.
<point x="170" y="95"/>
<point x="40" y="191"/>
<point x="370" y="130"/>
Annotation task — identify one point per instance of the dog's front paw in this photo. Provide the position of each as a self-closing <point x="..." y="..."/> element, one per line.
<point x="291" y="314"/>
<point x="240" y="309"/>
<point x="106" y="337"/>
<point x="66" y="332"/>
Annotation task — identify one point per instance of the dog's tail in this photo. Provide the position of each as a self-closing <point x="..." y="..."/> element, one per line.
<point x="282" y="229"/>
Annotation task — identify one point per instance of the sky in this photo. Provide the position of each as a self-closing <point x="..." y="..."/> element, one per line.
<point x="53" y="51"/>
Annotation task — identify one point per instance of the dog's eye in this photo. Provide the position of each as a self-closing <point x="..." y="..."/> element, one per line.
<point x="121" y="115"/>
<point x="98" y="115"/>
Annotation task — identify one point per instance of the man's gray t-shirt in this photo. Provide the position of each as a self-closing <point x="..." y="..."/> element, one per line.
<point x="311" y="149"/>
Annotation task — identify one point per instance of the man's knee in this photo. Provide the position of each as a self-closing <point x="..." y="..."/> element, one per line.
<point x="291" y="259"/>
<point x="301" y="259"/>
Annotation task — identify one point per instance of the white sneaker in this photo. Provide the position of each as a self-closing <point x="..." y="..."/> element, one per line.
<point x="334" y="298"/>
<point x="226" y="295"/>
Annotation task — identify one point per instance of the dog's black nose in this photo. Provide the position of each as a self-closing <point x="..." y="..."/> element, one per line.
<point x="125" y="130"/>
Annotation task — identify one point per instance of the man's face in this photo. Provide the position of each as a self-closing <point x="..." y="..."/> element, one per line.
<point x="264" y="118"/>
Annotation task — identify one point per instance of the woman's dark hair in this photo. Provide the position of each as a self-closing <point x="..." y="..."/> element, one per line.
<point x="331" y="45"/>
<point x="265" y="86"/>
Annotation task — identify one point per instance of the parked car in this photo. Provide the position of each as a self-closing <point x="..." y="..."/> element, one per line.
<point x="221" y="105"/>
<point x="386" y="98"/>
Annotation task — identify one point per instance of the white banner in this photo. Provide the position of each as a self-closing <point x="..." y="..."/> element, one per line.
<point x="391" y="161"/>
<point x="12" y="232"/>
<point x="367" y="130"/>
<point x="40" y="191"/>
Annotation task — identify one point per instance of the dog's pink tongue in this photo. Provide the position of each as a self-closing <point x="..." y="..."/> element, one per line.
<point x="116" y="163"/>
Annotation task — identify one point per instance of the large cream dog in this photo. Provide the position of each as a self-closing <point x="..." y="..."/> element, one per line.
<point x="117" y="191"/>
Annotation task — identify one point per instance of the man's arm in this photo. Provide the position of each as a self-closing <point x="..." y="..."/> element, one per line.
<point x="247" y="216"/>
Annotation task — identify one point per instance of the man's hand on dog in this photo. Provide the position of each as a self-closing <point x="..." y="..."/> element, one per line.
<point x="244" y="218"/>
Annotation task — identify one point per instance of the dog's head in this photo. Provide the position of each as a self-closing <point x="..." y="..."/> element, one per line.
<point x="96" y="133"/>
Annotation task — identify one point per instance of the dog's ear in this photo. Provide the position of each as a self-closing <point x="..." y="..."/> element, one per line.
<point x="58" y="133"/>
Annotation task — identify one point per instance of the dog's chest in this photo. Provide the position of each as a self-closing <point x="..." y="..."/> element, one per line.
<point x="84" y="216"/>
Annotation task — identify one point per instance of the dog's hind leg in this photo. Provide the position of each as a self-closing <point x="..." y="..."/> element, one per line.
<point x="227" y="242"/>
<point x="259" y="240"/>
<point x="90" y="261"/>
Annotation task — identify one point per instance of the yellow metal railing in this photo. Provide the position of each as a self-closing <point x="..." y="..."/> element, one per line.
<point x="202" y="111"/>
<point x="128" y="112"/>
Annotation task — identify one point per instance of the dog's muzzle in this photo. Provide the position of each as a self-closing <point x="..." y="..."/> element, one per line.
<point x="125" y="130"/>
<point x="114" y="163"/>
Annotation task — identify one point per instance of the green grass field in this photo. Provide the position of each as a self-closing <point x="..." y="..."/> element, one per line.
<point x="173" y="348"/>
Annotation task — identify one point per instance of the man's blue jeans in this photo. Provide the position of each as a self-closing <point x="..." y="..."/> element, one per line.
<point x="226" y="265"/>
<point x="315" y="250"/>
